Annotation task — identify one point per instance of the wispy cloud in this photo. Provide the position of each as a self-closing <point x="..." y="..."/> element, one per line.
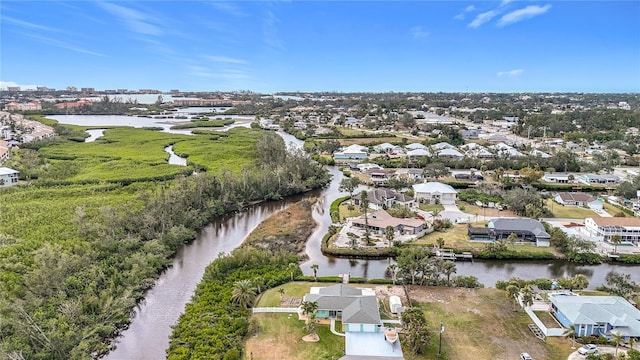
<point x="228" y="8"/>
<point x="30" y="25"/>
<point x="206" y="72"/>
<point x="63" y="44"/>
<point x="225" y="59"/>
<point x="462" y="15"/>
<point x="418" y="32"/>
<point x="482" y="18"/>
<point x="523" y="14"/>
<point x="510" y="73"/>
<point x="270" y="31"/>
<point x="135" y="20"/>
<point x="6" y="84"/>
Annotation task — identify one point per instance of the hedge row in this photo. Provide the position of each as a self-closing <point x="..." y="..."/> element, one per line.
<point x="334" y="209"/>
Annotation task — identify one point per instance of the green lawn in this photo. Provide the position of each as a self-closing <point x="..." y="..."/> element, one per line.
<point x="345" y="212"/>
<point x="569" y="212"/>
<point x="271" y="297"/>
<point x="431" y="207"/>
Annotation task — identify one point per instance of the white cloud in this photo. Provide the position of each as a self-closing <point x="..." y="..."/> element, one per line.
<point x="29" y="25"/>
<point x="228" y="7"/>
<point x="225" y="59"/>
<point x="523" y="14"/>
<point x="469" y="8"/>
<point x="462" y="15"/>
<point x="418" y="32"/>
<point x="482" y="18"/>
<point x="136" y="21"/>
<point x="63" y="44"/>
<point x="510" y="73"/>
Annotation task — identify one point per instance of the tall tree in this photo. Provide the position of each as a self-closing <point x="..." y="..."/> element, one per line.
<point x="314" y="267"/>
<point x="393" y="270"/>
<point x="293" y="268"/>
<point x="512" y="293"/>
<point x="527" y="296"/>
<point x="579" y="282"/>
<point x="617" y="337"/>
<point x="364" y="205"/>
<point x="615" y="240"/>
<point x="349" y="184"/>
<point x="243" y="293"/>
<point x="512" y="238"/>
<point x="449" y="268"/>
<point x="416" y="330"/>
<point x="389" y="235"/>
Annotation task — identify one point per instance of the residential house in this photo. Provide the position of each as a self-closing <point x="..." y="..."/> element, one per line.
<point x="559" y="178"/>
<point x="597" y="315"/>
<point x="441" y="146"/>
<point x="607" y="179"/>
<point x="5" y="151"/>
<point x="434" y="193"/>
<point x="8" y="177"/>
<point x="603" y="228"/>
<point x="573" y="199"/>
<point x="471" y="133"/>
<point x="352" y="152"/>
<point x="411" y="173"/>
<point x="450" y="153"/>
<point x="418" y="153"/>
<point x="379" y="220"/>
<point x="540" y="154"/>
<point x="527" y="230"/>
<point x="384" y="148"/>
<point x="383" y="198"/>
<point x="467" y="175"/>
<point x="415" y="146"/>
<point x="507" y="151"/>
<point x="30" y="106"/>
<point x="379" y="177"/>
<point x="357" y="309"/>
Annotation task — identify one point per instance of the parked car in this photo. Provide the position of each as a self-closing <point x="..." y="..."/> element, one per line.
<point x="588" y="349"/>
<point x="525" y="356"/>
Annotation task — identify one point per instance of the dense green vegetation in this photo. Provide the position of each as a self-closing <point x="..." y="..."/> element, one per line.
<point x="74" y="259"/>
<point x="213" y="327"/>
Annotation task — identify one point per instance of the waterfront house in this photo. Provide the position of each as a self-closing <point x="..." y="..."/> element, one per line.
<point x="383" y="198"/>
<point x="607" y="179"/>
<point x="574" y="199"/>
<point x="603" y="228"/>
<point x="559" y="178"/>
<point x="434" y="193"/>
<point x="378" y="221"/>
<point x="352" y="152"/>
<point x="527" y="230"/>
<point x="597" y="315"/>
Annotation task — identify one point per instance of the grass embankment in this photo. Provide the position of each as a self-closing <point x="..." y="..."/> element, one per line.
<point x="569" y="212"/>
<point x="286" y="230"/>
<point x="431" y="207"/>
<point x="481" y="324"/>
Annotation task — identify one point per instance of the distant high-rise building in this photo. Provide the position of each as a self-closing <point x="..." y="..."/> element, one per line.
<point x="72" y="89"/>
<point x="149" y="91"/>
<point x="175" y="92"/>
<point x="123" y="91"/>
<point x="88" y="90"/>
<point x="13" y="88"/>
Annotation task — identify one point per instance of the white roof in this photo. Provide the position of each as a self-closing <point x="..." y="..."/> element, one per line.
<point x="415" y="146"/>
<point x="418" y="152"/>
<point x="8" y="171"/>
<point x="450" y="152"/>
<point x="442" y="145"/>
<point x="432" y="187"/>
<point x="355" y="148"/>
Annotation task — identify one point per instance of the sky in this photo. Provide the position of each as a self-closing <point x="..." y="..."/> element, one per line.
<point x="310" y="46"/>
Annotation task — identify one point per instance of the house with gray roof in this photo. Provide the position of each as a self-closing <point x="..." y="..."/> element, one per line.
<point x="357" y="308"/>
<point x="383" y="198"/>
<point x="527" y="230"/>
<point x="597" y="315"/>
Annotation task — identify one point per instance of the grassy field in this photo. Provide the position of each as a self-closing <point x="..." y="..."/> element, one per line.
<point x="488" y="212"/>
<point x="431" y="207"/>
<point x="345" y="212"/>
<point x="481" y="325"/>
<point x="569" y="212"/>
<point x="613" y="210"/>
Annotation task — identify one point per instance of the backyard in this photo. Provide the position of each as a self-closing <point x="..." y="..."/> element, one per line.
<point x="569" y="212"/>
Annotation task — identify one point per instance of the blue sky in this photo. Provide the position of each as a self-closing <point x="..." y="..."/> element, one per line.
<point x="503" y="46"/>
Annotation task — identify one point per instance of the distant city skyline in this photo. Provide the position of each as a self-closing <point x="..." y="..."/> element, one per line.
<point x="311" y="46"/>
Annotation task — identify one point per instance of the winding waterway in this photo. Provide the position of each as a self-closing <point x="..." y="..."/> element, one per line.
<point x="148" y="335"/>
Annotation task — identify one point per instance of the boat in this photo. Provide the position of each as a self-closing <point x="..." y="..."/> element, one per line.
<point x="391" y="335"/>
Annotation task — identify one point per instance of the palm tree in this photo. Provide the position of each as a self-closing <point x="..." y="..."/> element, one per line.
<point x="527" y="296"/>
<point x="512" y="238"/>
<point x="632" y="342"/>
<point x="571" y="331"/>
<point x="364" y="205"/>
<point x="435" y="213"/>
<point x="440" y="242"/>
<point x="314" y="267"/>
<point x="243" y="293"/>
<point x="293" y="267"/>
<point x="309" y="307"/>
<point x="512" y="293"/>
<point x="258" y="282"/>
<point x="448" y="268"/>
<point x="617" y="337"/>
<point x="580" y="282"/>
<point x="393" y="269"/>
<point x="615" y="240"/>
<point x="281" y="291"/>
<point x="389" y="234"/>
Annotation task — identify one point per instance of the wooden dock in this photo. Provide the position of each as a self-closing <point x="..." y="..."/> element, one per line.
<point x="448" y="254"/>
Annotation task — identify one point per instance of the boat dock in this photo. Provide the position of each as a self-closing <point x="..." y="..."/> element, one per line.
<point x="448" y="254"/>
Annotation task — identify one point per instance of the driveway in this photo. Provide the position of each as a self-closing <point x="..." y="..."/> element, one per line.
<point x="601" y="350"/>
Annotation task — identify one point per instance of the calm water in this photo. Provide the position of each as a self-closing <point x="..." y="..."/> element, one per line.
<point x="175" y="159"/>
<point x="148" y="335"/>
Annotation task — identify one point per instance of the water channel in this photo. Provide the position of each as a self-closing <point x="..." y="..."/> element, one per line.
<point x="148" y="335"/>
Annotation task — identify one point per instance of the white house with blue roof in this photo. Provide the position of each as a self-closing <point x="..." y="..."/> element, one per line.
<point x="597" y="315"/>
